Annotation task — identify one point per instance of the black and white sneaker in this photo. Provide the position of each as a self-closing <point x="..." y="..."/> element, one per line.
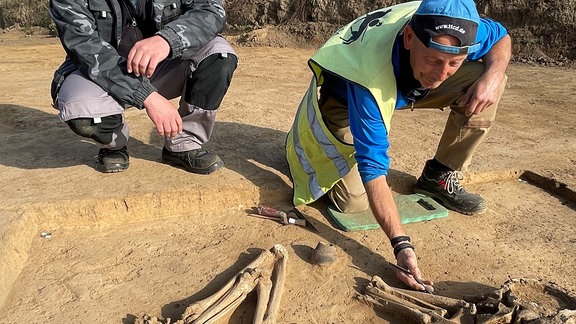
<point x="444" y="186"/>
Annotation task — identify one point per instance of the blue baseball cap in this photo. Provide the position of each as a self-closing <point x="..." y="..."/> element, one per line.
<point x="458" y="18"/>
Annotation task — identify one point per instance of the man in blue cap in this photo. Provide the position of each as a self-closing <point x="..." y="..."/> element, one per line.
<point x="429" y="54"/>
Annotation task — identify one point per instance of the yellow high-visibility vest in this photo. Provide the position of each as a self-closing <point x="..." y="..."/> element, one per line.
<point x="361" y="53"/>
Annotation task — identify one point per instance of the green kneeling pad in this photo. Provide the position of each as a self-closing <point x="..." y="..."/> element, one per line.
<point x="412" y="208"/>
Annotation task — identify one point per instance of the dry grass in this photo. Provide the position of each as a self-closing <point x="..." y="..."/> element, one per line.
<point x="24" y="13"/>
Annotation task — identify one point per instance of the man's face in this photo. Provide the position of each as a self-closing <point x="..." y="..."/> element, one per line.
<point x="431" y="67"/>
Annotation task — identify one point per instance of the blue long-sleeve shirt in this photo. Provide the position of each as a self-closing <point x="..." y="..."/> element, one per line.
<point x="366" y="124"/>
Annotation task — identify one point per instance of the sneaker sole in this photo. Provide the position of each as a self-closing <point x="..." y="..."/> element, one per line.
<point x="113" y="168"/>
<point x="213" y="168"/>
<point x="447" y="204"/>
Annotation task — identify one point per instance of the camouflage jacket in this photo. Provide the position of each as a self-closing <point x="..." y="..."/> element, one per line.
<point x="90" y="31"/>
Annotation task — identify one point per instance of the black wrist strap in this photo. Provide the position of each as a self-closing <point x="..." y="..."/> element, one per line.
<point x="398" y="239"/>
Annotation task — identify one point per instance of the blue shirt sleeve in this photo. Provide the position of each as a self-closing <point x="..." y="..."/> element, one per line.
<point x="489" y="33"/>
<point x="369" y="132"/>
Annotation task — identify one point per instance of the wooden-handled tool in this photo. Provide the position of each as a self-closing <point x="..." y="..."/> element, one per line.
<point x="280" y="216"/>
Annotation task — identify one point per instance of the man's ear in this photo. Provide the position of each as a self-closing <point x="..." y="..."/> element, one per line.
<point x="408" y="37"/>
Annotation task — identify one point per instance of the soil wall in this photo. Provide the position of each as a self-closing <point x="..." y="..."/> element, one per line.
<point x="542" y="31"/>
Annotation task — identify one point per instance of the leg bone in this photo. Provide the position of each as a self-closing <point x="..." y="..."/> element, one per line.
<point x="233" y="293"/>
<point x="281" y="256"/>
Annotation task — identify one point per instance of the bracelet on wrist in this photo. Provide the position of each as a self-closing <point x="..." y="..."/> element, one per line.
<point x="399" y="239"/>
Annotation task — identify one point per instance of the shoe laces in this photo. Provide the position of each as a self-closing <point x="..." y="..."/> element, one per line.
<point x="452" y="181"/>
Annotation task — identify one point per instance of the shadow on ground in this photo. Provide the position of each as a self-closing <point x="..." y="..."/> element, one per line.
<point x="34" y="139"/>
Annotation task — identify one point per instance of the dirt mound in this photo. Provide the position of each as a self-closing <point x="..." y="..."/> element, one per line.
<point x="542" y="32"/>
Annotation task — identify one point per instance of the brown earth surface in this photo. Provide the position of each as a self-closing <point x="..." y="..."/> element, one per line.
<point x="154" y="239"/>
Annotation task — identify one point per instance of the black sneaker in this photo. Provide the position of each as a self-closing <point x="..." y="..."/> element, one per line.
<point x="196" y="161"/>
<point x="112" y="160"/>
<point x="444" y="186"/>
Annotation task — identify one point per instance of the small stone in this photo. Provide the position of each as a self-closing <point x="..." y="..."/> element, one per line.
<point x="324" y="253"/>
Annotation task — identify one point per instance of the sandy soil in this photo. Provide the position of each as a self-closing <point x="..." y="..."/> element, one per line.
<point x="155" y="238"/>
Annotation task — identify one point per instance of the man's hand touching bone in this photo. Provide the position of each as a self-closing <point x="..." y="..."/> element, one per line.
<point x="407" y="260"/>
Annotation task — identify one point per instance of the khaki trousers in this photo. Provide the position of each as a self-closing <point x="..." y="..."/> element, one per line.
<point x="461" y="137"/>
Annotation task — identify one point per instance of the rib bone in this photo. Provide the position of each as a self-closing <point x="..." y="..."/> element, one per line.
<point x="509" y="303"/>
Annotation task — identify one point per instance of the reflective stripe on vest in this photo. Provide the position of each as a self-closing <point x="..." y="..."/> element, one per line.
<point x="315" y="156"/>
<point x="363" y="49"/>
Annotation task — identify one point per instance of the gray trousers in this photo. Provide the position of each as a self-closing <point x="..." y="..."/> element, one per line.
<point x="79" y="97"/>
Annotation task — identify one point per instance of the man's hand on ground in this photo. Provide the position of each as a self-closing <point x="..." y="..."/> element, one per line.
<point x="163" y="114"/>
<point x="146" y="54"/>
